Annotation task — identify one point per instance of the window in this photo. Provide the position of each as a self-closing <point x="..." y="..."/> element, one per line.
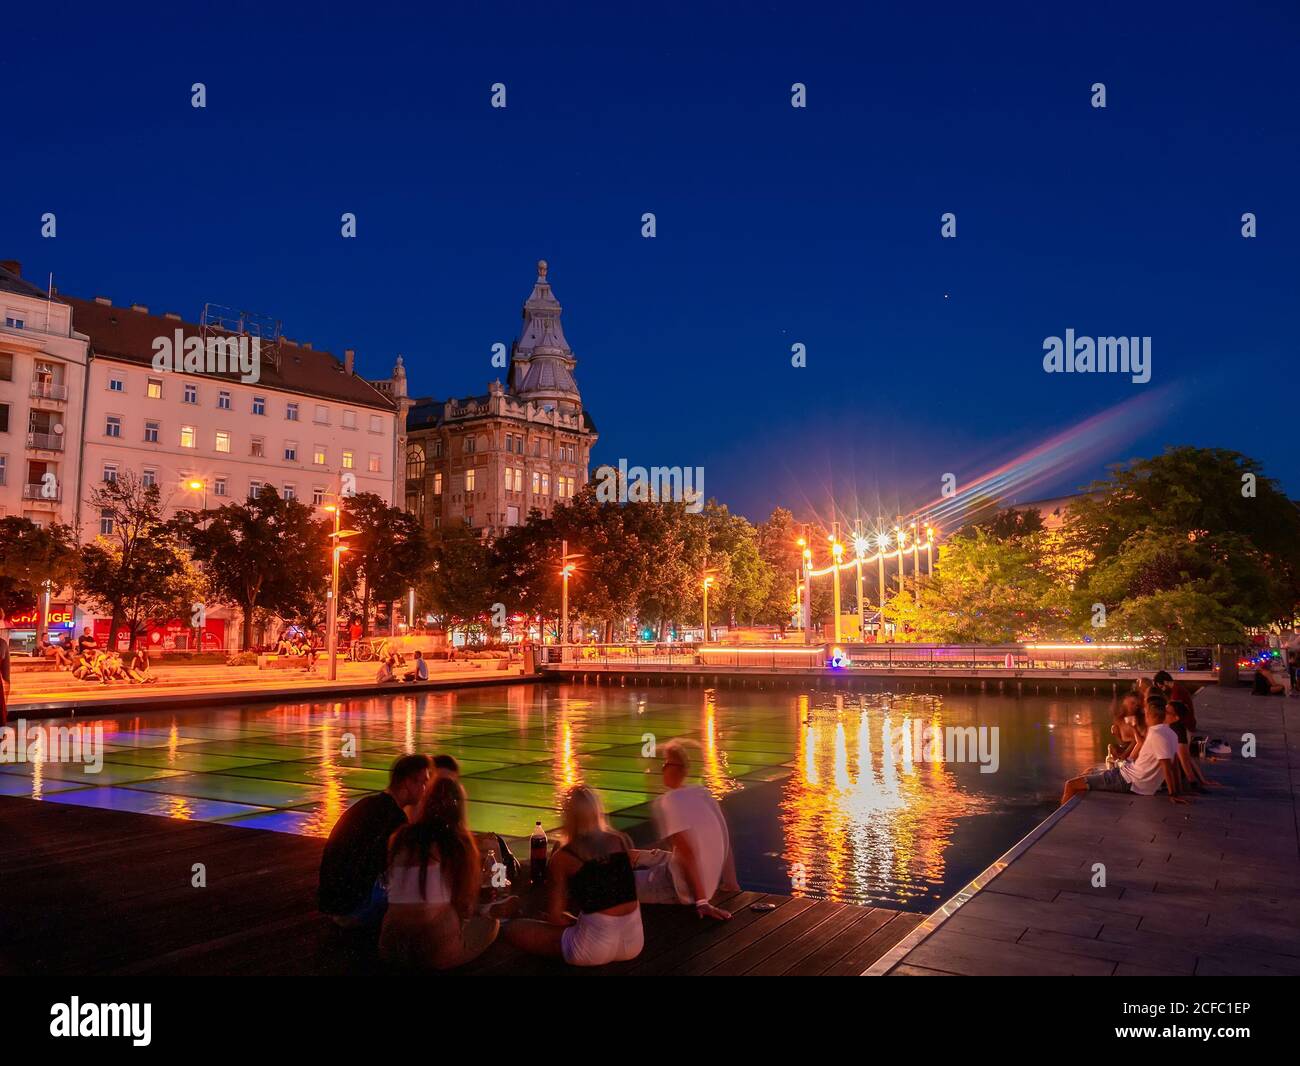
<point x="376" y="424"/>
<point x="347" y="461"/>
<point x="4" y="418"/>
<point x="349" y="420"/>
<point x="437" y="521"/>
<point x="223" y="400"/>
<point x="317" y="497"/>
<point x="415" y="461"/>
<point x="470" y="479"/>
<point x="537" y="483"/>
<point x="13" y="322"/>
<point x="110" y="473"/>
<point x="148" y="477"/>
<point x="437" y="483"/>
<point x="291" y="451"/>
<point x="374" y="466"/>
<point x="290" y="493"/>
<point x="512" y="516"/>
<point x="223" y="441"/>
<point x="4" y="468"/>
<point x="105" y="523"/>
<point x="322" y="415"/>
<point x="259" y="405"/>
<point x="113" y="427"/>
<point x="254" y="489"/>
<point x="257" y="448"/>
<point x="546" y="484"/>
<point x="318" y="454"/>
<point x="116" y="382"/>
<point x="187" y="436"/>
<point x="191" y="394"/>
<point x="154" y="389"/>
<point x="291" y="412"/>
<point x="219" y="487"/>
<point x="151" y="432"/>
<point x="471" y="444"/>
<point x="437" y="448"/>
<point x="6" y="367"/>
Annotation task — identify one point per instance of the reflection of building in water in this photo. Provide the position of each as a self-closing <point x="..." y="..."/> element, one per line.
<point x="859" y="820"/>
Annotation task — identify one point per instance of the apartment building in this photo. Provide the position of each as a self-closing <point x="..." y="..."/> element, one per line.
<point x="42" y="385"/>
<point x="486" y="461"/>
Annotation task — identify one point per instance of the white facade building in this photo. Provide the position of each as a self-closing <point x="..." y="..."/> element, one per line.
<point x="42" y="386"/>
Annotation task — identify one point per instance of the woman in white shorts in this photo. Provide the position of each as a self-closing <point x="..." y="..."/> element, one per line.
<point x="591" y="877"/>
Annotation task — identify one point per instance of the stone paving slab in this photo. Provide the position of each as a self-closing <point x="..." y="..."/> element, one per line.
<point x="1211" y="888"/>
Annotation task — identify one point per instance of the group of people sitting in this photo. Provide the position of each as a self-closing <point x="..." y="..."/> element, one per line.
<point x="406" y="861"/>
<point x="1153" y="745"/>
<point x="87" y="661"/>
<point x="291" y="643"/>
<point x="392" y="660"/>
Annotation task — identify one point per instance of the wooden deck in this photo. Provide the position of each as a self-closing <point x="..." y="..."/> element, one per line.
<point x="1210" y="888"/>
<point x="86" y="891"/>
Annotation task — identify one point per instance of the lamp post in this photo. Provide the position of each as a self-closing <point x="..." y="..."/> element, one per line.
<point x="916" y="564"/>
<point x="706" y="582"/>
<point x="807" y="595"/>
<point x="901" y="536"/>
<point x="837" y="553"/>
<point x="566" y="569"/>
<point x="882" y="545"/>
<point x="929" y="551"/>
<point x="860" y="547"/>
<point x="336" y="552"/>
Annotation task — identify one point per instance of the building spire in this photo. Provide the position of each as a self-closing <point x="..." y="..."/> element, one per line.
<point x="542" y="362"/>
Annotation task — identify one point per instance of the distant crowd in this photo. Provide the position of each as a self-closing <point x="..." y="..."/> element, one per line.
<point x="407" y="863"/>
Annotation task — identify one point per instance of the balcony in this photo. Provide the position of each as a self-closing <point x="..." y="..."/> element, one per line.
<point x="43" y="493"/>
<point x="48" y="390"/>
<point x="50" y="442"/>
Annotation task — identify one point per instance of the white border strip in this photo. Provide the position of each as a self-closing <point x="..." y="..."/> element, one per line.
<point x="899" y="951"/>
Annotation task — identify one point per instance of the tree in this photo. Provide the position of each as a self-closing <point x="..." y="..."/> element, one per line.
<point x="390" y="554"/>
<point x="128" y="571"/>
<point x="459" y="583"/>
<point x="33" y="558"/>
<point x="267" y="553"/>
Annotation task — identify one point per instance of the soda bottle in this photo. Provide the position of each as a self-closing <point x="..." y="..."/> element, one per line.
<point x="537" y="854"/>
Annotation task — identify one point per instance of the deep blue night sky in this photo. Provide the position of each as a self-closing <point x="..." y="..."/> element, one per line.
<point x="775" y="225"/>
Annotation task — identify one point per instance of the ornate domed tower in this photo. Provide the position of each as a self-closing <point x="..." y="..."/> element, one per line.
<point x="541" y="361"/>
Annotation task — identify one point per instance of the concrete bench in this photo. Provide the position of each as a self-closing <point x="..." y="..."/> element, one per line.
<point x="282" y="662"/>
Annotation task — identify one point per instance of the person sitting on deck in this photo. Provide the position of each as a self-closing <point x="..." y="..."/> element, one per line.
<point x="1181" y="719"/>
<point x="1171" y="689"/>
<point x="1264" y="685"/>
<point x="590" y="877"/>
<point x="421" y="671"/>
<point x="87" y="642"/>
<point x="1143" y="773"/>
<point x="138" y="670"/>
<point x="434" y="873"/>
<point x="83" y="667"/>
<point x="1127" y="727"/>
<point x="696" y="860"/>
<point x="352" y="890"/>
<point x="113" y="669"/>
<point x="385" y="673"/>
<point x="64" y="653"/>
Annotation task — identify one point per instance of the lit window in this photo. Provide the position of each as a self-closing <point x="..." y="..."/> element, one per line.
<point x="257" y="448"/>
<point x="223" y="441"/>
<point x="437" y="483"/>
<point x="469" y="479"/>
<point x="187" y="436"/>
<point x="374" y="463"/>
<point x="415" y="461"/>
<point x="537" y="483"/>
<point x="318" y="455"/>
<point x="154" y="390"/>
<point x="347" y="461"/>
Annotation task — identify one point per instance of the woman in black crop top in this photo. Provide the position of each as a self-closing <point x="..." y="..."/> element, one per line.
<point x="592" y="914"/>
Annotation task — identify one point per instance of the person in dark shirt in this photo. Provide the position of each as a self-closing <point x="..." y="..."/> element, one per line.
<point x="352" y="890"/>
<point x="86" y="641"/>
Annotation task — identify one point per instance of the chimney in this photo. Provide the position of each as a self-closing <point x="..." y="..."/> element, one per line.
<point x="104" y="300"/>
<point x="141" y="308"/>
<point x="349" y="360"/>
<point x="13" y="266"/>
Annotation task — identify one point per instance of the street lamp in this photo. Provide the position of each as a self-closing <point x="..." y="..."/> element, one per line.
<point x="807" y="593"/>
<point x="916" y="564"/>
<point x="837" y="553"/>
<point x="336" y="553"/>
<point x="706" y="582"/>
<point x="860" y="548"/>
<point x="566" y="569"/>
<point x="882" y="546"/>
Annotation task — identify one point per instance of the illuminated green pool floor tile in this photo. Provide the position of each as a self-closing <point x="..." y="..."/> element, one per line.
<point x="615" y="779"/>
<point x="162" y="804"/>
<point x="258" y="792"/>
<point x="315" y="773"/>
<point x="179" y="760"/>
<point x="35" y="788"/>
<point x="108" y="773"/>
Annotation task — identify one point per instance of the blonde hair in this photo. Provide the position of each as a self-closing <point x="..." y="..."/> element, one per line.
<point x="582" y="813"/>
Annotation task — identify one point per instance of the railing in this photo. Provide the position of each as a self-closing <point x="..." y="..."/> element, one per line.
<point x="50" y="442"/>
<point x="48" y="390"/>
<point x="51" y="494"/>
<point x="932" y="658"/>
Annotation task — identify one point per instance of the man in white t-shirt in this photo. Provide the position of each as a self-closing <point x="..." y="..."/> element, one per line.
<point x="1152" y="766"/>
<point x="696" y="859"/>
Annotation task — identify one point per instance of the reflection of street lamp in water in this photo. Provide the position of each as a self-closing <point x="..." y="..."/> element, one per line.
<point x="706" y="582"/>
<point x="336" y="553"/>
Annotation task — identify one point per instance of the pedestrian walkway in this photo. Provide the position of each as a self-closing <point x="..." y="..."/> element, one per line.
<point x="1210" y="888"/>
